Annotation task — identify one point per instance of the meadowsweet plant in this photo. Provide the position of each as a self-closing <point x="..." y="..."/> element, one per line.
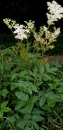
<point x="42" y="40"/>
<point x="31" y="94"/>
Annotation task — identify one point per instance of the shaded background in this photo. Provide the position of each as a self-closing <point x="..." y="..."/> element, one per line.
<point x="25" y="10"/>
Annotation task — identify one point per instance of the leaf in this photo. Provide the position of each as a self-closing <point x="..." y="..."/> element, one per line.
<point x="33" y="87"/>
<point x="21" y="123"/>
<point x="11" y="119"/>
<point x="4" y="92"/>
<point x="37" y="111"/>
<point x="27" y="128"/>
<point x="42" y="101"/>
<point x="35" y="99"/>
<point x="52" y="96"/>
<point x="13" y="76"/>
<point x="1" y="114"/>
<point x="29" y="90"/>
<point x="23" y="73"/>
<point x="20" y="84"/>
<point x="37" y="118"/>
<point x="29" y="105"/>
<point x="22" y="96"/>
<point x="34" y="124"/>
<point x="38" y="83"/>
<point x="46" y="77"/>
<point x="3" y="105"/>
<point x="19" y="105"/>
<point x="41" y="70"/>
<point x="47" y="65"/>
<point x="54" y="69"/>
<point x="6" y="109"/>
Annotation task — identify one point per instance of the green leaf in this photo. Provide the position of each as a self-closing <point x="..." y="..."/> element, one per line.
<point x="37" y="118"/>
<point x="13" y="76"/>
<point x="33" y="87"/>
<point x="42" y="101"/>
<point x="35" y="125"/>
<point x="21" y="123"/>
<point x="47" y="65"/>
<point x="35" y="99"/>
<point x="3" y="105"/>
<point x="54" y="69"/>
<point x="22" y="96"/>
<point x="41" y="70"/>
<point x="38" y="83"/>
<point x="11" y="119"/>
<point x="19" y="105"/>
<point x="29" y="105"/>
<point x="37" y="111"/>
<point x="53" y="96"/>
<point x="29" y="90"/>
<point x="23" y="73"/>
<point x="1" y="113"/>
<point x="4" y="92"/>
<point x="20" y="84"/>
<point x="6" y="109"/>
<point x="46" y="77"/>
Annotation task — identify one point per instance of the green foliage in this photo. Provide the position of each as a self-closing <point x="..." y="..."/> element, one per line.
<point x="31" y="94"/>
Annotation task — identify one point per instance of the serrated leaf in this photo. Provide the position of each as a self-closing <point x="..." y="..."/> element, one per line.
<point x="37" y="118"/>
<point x="41" y="70"/>
<point x="27" y="128"/>
<point x="20" y="84"/>
<point x="33" y="87"/>
<point x="52" y="96"/>
<point x="47" y="65"/>
<point x="1" y="113"/>
<point x="4" y="92"/>
<point x="11" y="119"/>
<point x="35" y="125"/>
<point x="46" y="77"/>
<point x="54" y="69"/>
<point x="19" y="105"/>
<point x="21" y="123"/>
<point x="37" y="111"/>
<point x="6" y="109"/>
<point x="13" y="76"/>
<point x="22" y="96"/>
<point x="29" y="105"/>
<point x="42" y="101"/>
<point x="29" y="90"/>
<point x="35" y="99"/>
<point x="4" y="104"/>
<point x="23" y="73"/>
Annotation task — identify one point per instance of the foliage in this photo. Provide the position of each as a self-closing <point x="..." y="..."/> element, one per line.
<point x="31" y="94"/>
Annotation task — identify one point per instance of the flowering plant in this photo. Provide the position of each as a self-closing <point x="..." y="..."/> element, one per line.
<point x="46" y="36"/>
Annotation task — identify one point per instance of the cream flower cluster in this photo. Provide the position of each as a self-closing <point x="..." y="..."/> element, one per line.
<point x="54" y="34"/>
<point x="55" y="12"/>
<point x="21" y="31"/>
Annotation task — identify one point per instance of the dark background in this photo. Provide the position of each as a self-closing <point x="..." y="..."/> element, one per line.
<point x="25" y="10"/>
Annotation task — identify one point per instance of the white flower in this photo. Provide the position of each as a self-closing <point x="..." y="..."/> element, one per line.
<point x="21" y="31"/>
<point x="21" y="37"/>
<point x="56" y="33"/>
<point x="55" y="12"/>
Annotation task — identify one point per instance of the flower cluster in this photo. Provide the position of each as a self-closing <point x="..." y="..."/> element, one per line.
<point x="21" y="31"/>
<point x="54" y="34"/>
<point x="55" y="12"/>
